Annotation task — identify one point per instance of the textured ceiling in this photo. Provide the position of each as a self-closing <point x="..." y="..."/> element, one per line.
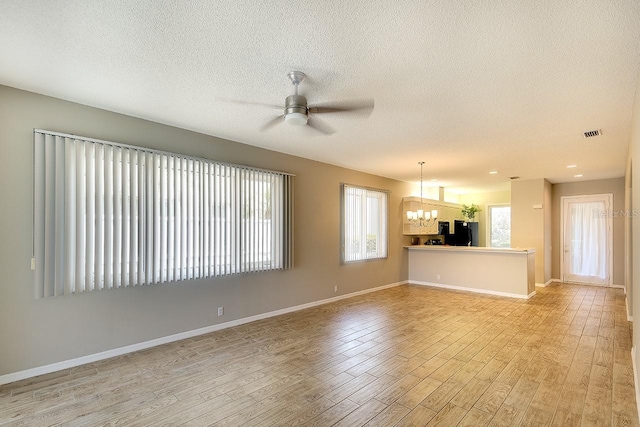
<point x="467" y="86"/>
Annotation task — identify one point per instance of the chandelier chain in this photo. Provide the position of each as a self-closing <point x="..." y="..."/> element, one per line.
<point x="420" y="217"/>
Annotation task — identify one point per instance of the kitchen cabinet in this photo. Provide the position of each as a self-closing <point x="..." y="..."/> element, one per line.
<point x="446" y="212"/>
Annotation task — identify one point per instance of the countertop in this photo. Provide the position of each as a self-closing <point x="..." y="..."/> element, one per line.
<point x="471" y="249"/>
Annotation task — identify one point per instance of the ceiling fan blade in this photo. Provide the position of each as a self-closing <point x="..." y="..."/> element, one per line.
<point x="320" y="126"/>
<point x="273" y="122"/>
<point x="364" y="106"/>
<point x="261" y="104"/>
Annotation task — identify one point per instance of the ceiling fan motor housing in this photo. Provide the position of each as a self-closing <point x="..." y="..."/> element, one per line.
<point x="295" y="110"/>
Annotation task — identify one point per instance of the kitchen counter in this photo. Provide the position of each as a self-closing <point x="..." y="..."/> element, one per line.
<point x="471" y="248"/>
<point x="498" y="271"/>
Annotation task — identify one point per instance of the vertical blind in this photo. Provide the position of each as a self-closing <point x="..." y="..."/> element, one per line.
<point x="108" y="215"/>
<point x="364" y="223"/>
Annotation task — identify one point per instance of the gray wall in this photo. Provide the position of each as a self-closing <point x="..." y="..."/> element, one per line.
<point x="603" y="186"/>
<point x="548" y="219"/>
<point x="540" y="228"/>
<point x="628" y="233"/>
<point x="527" y="223"/>
<point x="634" y="237"/>
<point x="36" y="332"/>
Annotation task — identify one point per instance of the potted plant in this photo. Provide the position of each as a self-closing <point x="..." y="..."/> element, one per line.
<point x="470" y="211"/>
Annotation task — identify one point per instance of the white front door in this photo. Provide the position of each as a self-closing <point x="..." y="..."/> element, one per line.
<point x="587" y="239"/>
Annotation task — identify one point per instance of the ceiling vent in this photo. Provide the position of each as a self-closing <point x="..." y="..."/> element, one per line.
<point x="592" y="133"/>
<point x="514" y="177"/>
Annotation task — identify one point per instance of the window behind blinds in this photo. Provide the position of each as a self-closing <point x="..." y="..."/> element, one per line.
<point x="108" y="215"/>
<point x="364" y="223"/>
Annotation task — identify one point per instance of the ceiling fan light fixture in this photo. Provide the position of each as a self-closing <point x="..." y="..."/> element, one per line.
<point x="295" y="110"/>
<point x="296" y="119"/>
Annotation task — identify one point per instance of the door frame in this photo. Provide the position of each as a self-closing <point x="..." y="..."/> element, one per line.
<point x="609" y="217"/>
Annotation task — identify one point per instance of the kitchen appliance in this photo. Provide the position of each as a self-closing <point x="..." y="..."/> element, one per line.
<point x="443" y="228"/>
<point x="444" y="231"/>
<point x="466" y="233"/>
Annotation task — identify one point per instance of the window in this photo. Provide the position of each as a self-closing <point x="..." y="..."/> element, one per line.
<point x="500" y="226"/>
<point x="364" y="222"/>
<point x="108" y="215"/>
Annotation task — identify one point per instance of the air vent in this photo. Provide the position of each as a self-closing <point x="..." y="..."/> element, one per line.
<point x="592" y="133"/>
<point x="514" y="177"/>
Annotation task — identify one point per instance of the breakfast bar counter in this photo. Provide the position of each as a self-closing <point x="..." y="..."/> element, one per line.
<point x="498" y="271"/>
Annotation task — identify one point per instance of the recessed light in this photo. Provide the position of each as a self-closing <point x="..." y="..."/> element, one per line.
<point x="578" y="176"/>
<point x="493" y="172"/>
<point x="572" y="166"/>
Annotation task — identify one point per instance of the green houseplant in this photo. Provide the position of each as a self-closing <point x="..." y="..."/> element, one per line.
<point x="470" y="211"/>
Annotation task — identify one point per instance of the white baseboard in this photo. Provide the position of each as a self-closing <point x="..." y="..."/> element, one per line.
<point x="635" y="378"/>
<point x="619" y="287"/>
<point x="475" y="290"/>
<point x="547" y="283"/>
<point x="65" y="364"/>
<point x="595" y="285"/>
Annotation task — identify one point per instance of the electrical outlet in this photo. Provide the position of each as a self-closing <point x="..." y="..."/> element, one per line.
<point x="335" y="288"/>
<point x="220" y="311"/>
<point x="438" y="276"/>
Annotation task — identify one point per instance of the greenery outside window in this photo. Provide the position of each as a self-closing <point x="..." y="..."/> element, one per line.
<point x="499" y="226"/>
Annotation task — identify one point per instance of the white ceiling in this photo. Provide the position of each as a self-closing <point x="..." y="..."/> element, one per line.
<point x="467" y="86"/>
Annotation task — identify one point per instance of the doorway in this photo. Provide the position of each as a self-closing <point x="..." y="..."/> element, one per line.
<point x="587" y="237"/>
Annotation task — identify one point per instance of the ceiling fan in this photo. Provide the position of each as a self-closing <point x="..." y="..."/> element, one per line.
<point x="298" y="113"/>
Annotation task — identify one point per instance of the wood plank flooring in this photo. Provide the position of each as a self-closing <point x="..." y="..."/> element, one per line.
<point x="404" y="356"/>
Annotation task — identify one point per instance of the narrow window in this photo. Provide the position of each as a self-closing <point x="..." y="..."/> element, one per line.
<point x="500" y="226"/>
<point x="364" y="222"/>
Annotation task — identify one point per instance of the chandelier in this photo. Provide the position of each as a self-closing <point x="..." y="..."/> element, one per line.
<point x="420" y="217"/>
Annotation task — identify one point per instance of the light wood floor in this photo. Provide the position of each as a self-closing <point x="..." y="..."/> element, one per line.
<point x="406" y="356"/>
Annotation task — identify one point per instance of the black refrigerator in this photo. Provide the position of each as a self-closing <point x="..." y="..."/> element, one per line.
<point x="443" y="230"/>
<point x="466" y="233"/>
